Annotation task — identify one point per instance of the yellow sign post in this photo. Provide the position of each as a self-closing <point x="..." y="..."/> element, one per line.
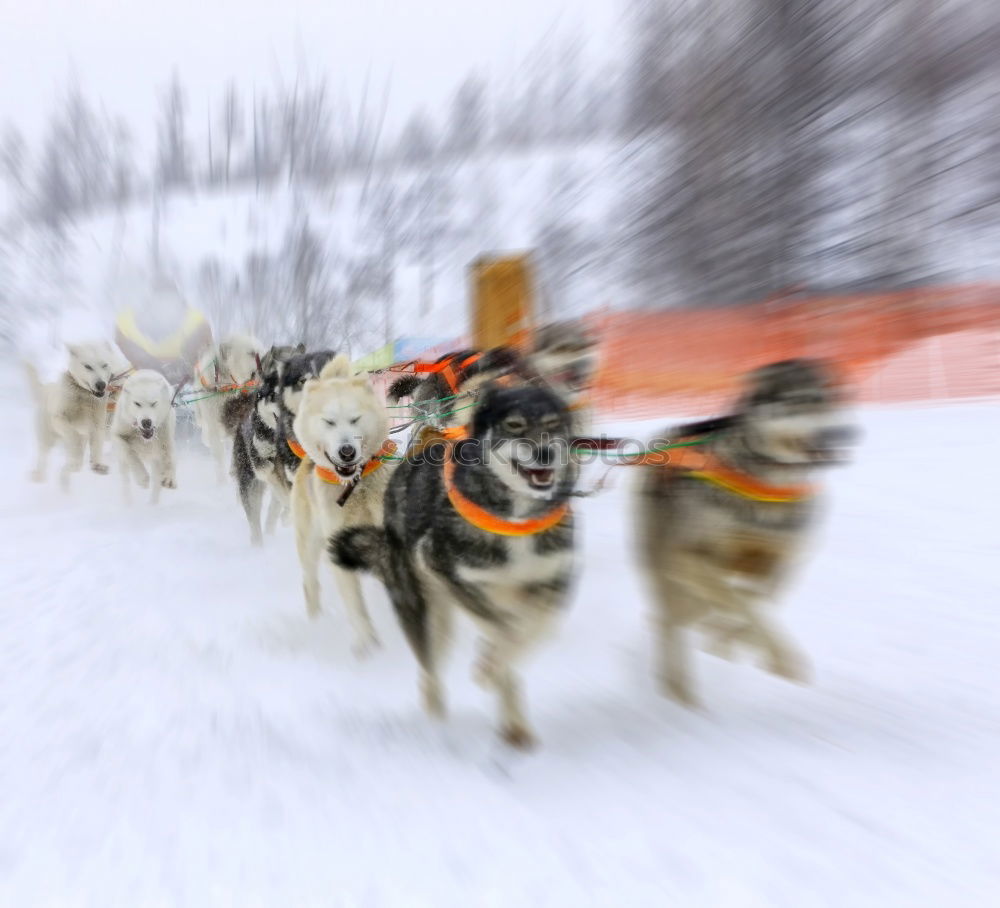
<point x="502" y="301"/>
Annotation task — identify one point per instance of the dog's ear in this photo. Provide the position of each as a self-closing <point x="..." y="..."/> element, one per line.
<point x="485" y="412"/>
<point x="301" y="348"/>
<point x="338" y="367"/>
<point x="73" y="349"/>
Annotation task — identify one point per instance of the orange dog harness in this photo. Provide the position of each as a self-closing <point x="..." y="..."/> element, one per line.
<point x="482" y="519"/>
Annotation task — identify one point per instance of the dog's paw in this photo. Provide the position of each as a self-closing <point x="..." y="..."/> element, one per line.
<point x="680" y="691"/>
<point x="433" y="699"/>
<point x="100" y="468"/>
<point x="791" y="666"/>
<point x="484" y="674"/>
<point x="365" y="647"/>
<point x="518" y="736"/>
<point x="168" y="483"/>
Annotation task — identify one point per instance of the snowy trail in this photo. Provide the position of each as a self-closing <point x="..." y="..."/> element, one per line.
<point x="176" y="732"/>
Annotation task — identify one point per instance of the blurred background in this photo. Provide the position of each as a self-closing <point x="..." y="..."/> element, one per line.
<point x="310" y="172"/>
<point x="710" y="185"/>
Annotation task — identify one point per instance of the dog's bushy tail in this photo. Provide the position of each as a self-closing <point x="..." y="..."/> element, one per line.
<point x="360" y="549"/>
<point x="402" y="387"/>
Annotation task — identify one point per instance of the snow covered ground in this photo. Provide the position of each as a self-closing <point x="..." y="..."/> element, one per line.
<point x="176" y="732"/>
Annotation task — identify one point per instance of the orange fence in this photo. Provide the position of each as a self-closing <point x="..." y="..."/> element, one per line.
<point x="916" y="345"/>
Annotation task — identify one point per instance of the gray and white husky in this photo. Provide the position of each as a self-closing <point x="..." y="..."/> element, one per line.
<point x="721" y="524"/>
<point x="72" y="410"/>
<point x="232" y="364"/>
<point x="143" y="433"/>
<point x="262" y="458"/>
<point x="482" y="524"/>
<point x="563" y="357"/>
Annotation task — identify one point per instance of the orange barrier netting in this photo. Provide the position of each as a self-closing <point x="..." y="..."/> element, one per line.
<point x="916" y="345"/>
<point x="924" y="344"/>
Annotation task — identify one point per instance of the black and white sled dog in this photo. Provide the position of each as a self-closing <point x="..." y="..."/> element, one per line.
<point x="142" y="430"/>
<point x="342" y="427"/>
<point x="482" y="523"/>
<point x="264" y="445"/>
<point x="444" y="398"/>
<point x="721" y="524"/>
<point x="563" y="357"/>
<point x="72" y="410"/>
<point x="295" y="371"/>
<point x="223" y="373"/>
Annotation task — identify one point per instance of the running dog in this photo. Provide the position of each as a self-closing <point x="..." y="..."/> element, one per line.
<point x="444" y="396"/>
<point x="565" y="355"/>
<point x="720" y="524"/>
<point x="73" y="409"/>
<point x="342" y="428"/>
<point x="261" y="455"/>
<point x="295" y="371"/>
<point x="224" y="371"/>
<point x="143" y="433"/>
<point x="482" y="523"/>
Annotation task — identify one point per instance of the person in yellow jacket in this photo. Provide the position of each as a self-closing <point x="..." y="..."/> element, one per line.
<point x="166" y="334"/>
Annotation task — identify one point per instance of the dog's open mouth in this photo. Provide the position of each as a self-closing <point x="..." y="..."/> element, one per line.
<point x="96" y="393"/>
<point x="540" y="478"/>
<point x="345" y="471"/>
<point x="147" y="434"/>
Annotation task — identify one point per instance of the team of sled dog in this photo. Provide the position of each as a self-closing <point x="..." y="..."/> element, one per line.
<point x="475" y="513"/>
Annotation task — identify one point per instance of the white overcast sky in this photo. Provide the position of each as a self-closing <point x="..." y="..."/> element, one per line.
<point x="123" y="51"/>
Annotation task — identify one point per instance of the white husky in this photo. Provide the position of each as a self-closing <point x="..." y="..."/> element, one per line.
<point x="73" y="409"/>
<point x="342" y="426"/>
<point x="143" y="433"/>
<point x="231" y="365"/>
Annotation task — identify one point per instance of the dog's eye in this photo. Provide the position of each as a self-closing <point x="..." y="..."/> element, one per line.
<point x="152" y="405"/>
<point x="88" y="368"/>
<point x="551" y="422"/>
<point x="330" y="423"/>
<point x="104" y="365"/>
<point x="355" y="421"/>
<point x="515" y="424"/>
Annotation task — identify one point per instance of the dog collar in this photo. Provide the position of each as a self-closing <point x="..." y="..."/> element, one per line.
<point x="387" y="449"/>
<point x="709" y="467"/>
<point x="296" y="448"/>
<point x="482" y="519"/>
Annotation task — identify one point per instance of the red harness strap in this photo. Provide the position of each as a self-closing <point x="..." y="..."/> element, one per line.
<point x="450" y="370"/>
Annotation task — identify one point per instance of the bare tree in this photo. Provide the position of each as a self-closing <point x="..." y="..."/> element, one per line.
<point x="564" y="250"/>
<point x="14" y="162"/>
<point x="416" y="143"/>
<point x="122" y="163"/>
<point x="232" y="124"/>
<point x="86" y="152"/>
<point x="54" y="190"/>
<point x="173" y="158"/>
<point x="467" y="125"/>
<point x="429" y="226"/>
